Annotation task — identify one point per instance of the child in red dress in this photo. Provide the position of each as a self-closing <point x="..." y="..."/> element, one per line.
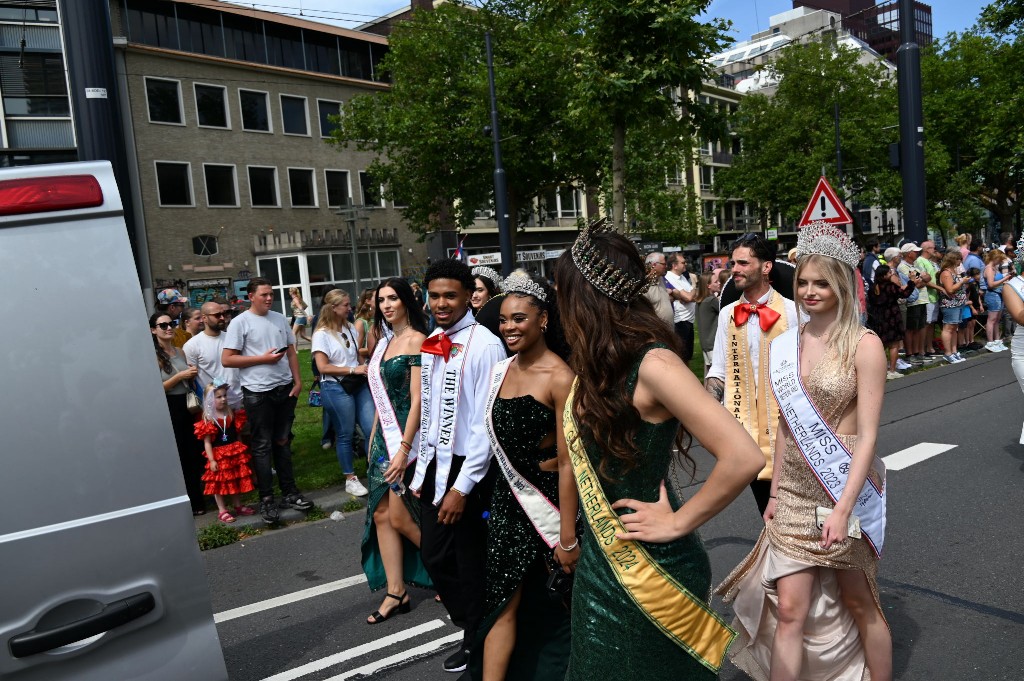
<point x="227" y="469"/>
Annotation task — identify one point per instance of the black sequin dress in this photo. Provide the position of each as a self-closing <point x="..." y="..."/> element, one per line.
<point x="515" y="552"/>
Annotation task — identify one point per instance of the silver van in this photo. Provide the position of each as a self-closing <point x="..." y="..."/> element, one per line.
<point x="102" y="578"/>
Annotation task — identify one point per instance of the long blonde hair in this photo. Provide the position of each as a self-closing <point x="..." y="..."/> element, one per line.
<point x="840" y="277"/>
<point x="329" y="321"/>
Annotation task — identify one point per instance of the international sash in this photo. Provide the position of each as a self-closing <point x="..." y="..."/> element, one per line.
<point x="822" y="449"/>
<point x="542" y="513"/>
<point x="387" y="419"/>
<point x="755" y="409"/>
<point x="669" y="605"/>
<point x="1017" y="284"/>
<point x="451" y="389"/>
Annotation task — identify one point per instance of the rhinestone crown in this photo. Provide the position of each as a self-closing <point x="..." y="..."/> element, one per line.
<point x="604" y="275"/>
<point x="520" y="282"/>
<point x="1019" y="253"/>
<point x="488" y="273"/>
<point x="821" y="238"/>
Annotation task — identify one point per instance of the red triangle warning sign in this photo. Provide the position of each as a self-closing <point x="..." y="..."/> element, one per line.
<point x="825" y="206"/>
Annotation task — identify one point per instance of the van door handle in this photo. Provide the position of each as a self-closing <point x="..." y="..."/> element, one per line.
<point x="121" y="611"/>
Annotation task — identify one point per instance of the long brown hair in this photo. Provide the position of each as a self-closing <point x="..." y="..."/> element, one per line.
<point x="162" y="358"/>
<point x="607" y="338"/>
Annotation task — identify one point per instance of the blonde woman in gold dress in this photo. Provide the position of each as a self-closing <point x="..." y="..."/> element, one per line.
<point x="806" y="599"/>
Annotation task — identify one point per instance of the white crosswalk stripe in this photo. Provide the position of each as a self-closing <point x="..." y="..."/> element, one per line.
<point x="916" y="454"/>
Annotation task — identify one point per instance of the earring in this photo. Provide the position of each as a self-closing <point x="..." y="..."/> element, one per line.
<point x="544" y="328"/>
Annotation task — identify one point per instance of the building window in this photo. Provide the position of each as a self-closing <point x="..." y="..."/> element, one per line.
<point x="325" y="271"/>
<point x="204" y="245"/>
<point x="163" y="97"/>
<point x="372" y="195"/>
<point x="221" y="186"/>
<point x="212" y="106"/>
<point x="263" y="187"/>
<point x="255" y="108"/>
<point x="327" y="108"/>
<point x="565" y="202"/>
<point x="339" y="191"/>
<point x="33" y="85"/>
<point x="302" y="187"/>
<point x="294" y="120"/>
<point x="174" y="183"/>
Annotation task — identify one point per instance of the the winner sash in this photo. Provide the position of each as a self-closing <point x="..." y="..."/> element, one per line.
<point x="669" y="605"/>
<point x="539" y="509"/>
<point x="387" y="419"/>
<point x="821" y="448"/>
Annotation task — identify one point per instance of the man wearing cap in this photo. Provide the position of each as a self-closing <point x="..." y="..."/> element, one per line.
<point x="171" y="303"/>
<point x="927" y="265"/>
<point x="917" y="306"/>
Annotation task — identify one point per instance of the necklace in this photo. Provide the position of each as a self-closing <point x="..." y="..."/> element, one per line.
<point x="398" y="332"/>
<point x="223" y="428"/>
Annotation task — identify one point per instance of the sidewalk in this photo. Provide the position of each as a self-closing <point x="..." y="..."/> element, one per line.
<point x="329" y="499"/>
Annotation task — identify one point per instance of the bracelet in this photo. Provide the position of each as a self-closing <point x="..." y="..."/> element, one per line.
<point x="350" y="371"/>
<point x="570" y="547"/>
<point x="459" y="492"/>
<point x="772" y="496"/>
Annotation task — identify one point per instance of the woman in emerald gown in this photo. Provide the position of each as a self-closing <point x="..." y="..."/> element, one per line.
<point x="391" y="537"/>
<point x="643" y="579"/>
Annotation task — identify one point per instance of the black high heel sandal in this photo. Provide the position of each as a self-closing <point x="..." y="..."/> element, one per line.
<point x="404" y="607"/>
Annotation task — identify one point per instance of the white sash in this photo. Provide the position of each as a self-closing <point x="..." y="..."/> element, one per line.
<point x="451" y="390"/>
<point x="387" y="419"/>
<point x="542" y="513"/>
<point x="821" y="448"/>
<point x="1017" y="284"/>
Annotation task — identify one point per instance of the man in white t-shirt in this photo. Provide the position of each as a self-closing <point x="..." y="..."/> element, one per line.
<point x="256" y="343"/>
<point x="684" y="310"/>
<point x="204" y="351"/>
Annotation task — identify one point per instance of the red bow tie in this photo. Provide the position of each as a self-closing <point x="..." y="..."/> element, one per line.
<point x="440" y="345"/>
<point x="765" y="315"/>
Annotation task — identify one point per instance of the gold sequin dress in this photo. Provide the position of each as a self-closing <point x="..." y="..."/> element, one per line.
<point x="789" y="544"/>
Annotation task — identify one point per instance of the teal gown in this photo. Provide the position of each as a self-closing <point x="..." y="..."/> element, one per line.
<point x="515" y="552"/>
<point x="611" y="637"/>
<point x="396" y="373"/>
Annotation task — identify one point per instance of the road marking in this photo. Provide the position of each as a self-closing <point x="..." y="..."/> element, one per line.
<point x="287" y="598"/>
<point x="364" y="649"/>
<point x="908" y="457"/>
<point x="404" y="656"/>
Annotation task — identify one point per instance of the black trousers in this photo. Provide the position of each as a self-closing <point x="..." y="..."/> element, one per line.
<point x="685" y="332"/>
<point x="762" y="490"/>
<point x="455" y="555"/>
<point x="271" y="414"/>
<point x="193" y="462"/>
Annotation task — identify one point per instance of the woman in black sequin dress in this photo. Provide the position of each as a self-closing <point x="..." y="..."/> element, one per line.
<point x="526" y="633"/>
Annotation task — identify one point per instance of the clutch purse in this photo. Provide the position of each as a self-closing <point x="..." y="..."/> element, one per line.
<point x="314" y="394"/>
<point x="192" y="402"/>
<point x="853" y="529"/>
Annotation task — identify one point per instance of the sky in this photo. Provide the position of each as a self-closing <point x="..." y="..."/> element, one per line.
<point x="748" y="16"/>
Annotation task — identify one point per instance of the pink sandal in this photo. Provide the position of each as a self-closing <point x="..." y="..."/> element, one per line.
<point x="244" y="510"/>
<point x="226" y="517"/>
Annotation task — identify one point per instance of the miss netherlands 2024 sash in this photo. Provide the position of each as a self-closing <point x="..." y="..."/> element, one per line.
<point x="822" y="449"/>
<point x="387" y="419"/>
<point x="542" y="513"/>
<point x="669" y="605"/>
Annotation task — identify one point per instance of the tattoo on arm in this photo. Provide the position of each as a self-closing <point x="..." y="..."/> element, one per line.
<point x="716" y="387"/>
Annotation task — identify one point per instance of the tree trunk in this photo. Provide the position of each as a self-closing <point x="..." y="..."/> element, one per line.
<point x="619" y="177"/>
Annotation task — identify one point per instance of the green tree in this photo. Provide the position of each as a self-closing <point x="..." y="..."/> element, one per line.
<point x="1004" y="15"/>
<point x="788" y="137"/>
<point x="973" y="93"/>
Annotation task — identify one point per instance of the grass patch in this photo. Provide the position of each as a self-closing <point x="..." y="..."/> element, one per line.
<point x="351" y="506"/>
<point x="314" y="514"/>
<point x="216" y="535"/>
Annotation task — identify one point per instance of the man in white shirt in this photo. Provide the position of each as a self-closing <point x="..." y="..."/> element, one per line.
<point x="657" y="293"/>
<point x="256" y="342"/>
<point x="451" y="476"/>
<point x="204" y="351"/>
<point x="684" y="310"/>
<point x="746" y="328"/>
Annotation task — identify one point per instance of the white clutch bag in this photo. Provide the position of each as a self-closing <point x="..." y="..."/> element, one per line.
<point x="820" y="513"/>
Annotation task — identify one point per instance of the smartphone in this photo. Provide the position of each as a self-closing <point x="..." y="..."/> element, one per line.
<point x="281" y="350"/>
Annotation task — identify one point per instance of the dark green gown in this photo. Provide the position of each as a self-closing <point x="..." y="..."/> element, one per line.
<point x="515" y="552"/>
<point x="611" y="637"/>
<point x="396" y="373"/>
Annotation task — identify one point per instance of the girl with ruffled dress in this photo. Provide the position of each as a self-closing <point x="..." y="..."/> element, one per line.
<point x="228" y="474"/>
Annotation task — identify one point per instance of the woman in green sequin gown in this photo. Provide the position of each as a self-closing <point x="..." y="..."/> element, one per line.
<point x="525" y="635"/>
<point x="390" y="545"/>
<point x="633" y="403"/>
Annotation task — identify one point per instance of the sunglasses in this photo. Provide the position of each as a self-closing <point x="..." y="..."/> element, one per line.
<point x="217" y="314"/>
<point x="165" y="325"/>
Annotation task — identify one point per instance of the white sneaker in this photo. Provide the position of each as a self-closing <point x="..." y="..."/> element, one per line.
<point x="959" y="357"/>
<point x="991" y="346"/>
<point x="355" y="488"/>
<point x="903" y="366"/>
<point x="998" y="346"/>
<point x="893" y="374"/>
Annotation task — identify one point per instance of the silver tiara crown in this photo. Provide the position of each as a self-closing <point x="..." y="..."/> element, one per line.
<point x="603" y="274"/>
<point x="821" y="238"/>
<point x="520" y="282"/>
<point x="1019" y="253"/>
<point x="488" y="273"/>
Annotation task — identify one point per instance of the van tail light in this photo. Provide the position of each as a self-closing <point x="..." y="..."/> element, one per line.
<point x="47" y="194"/>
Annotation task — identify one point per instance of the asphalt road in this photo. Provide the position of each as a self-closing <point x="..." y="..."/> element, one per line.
<point x="950" y="579"/>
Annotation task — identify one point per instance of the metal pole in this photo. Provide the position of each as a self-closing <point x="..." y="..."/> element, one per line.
<point x="508" y="259"/>
<point x="908" y="66"/>
<point x="355" y="256"/>
<point x="839" y="153"/>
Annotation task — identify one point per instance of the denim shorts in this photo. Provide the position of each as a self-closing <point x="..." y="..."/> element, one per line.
<point x="954" y="315"/>
<point x="993" y="301"/>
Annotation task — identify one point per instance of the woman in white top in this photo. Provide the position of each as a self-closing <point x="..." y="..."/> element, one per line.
<point x="299" y="315"/>
<point x="344" y="391"/>
<point x="1013" y="300"/>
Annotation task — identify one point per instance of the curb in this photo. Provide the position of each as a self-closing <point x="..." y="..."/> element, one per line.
<point x="329" y="499"/>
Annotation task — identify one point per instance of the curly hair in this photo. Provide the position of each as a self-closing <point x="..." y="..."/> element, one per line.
<point x="606" y="339"/>
<point x="162" y="358"/>
<point x="450" y="268"/>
